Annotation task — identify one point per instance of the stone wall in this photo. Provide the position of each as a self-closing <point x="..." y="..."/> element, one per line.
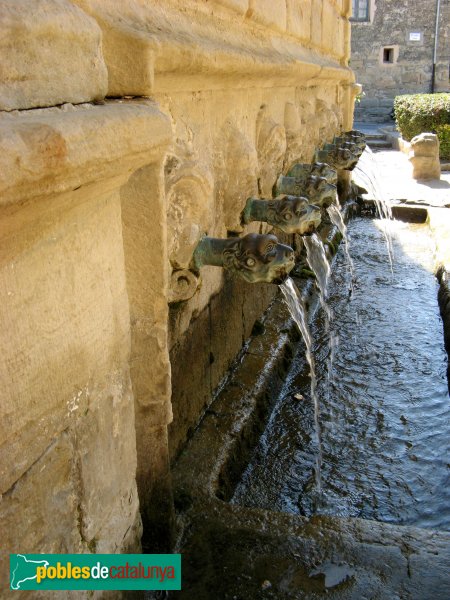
<point x="102" y="205"/>
<point x="410" y="72"/>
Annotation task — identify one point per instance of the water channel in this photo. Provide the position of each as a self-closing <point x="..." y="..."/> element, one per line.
<point x="385" y="425"/>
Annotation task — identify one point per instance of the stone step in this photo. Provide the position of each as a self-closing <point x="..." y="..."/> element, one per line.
<point x="375" y="136"/>
<point x="379" y="144"/>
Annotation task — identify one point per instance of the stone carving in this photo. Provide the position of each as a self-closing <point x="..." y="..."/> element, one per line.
<point x="183" y="285"/>
<point x="254" y="258"/>
<point x="346" y="142"/>
<point x="317" y="189"/>
<point x="424" y="156"/>
<point x="291" y="214"/>
<point x="327" y="120"/>
<point x="355" y="136"/>
<point x="295" y="146"/>
<point x="189" y="207"/>
<point x="271" y="146"/>
<point x="304" y="170"/>
<point x="336" y="157"/>
<point x="236" y="167"/>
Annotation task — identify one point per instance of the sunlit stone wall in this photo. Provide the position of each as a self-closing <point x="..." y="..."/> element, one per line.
<point x="109" y="337"/>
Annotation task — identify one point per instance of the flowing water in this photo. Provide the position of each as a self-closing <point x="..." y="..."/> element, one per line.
<point x="294" y="302"/>
<point x="336" y="218"/>
<point x="318" y="263"/>
<point x="385" y="430"/>
<point x="366" y="174"/>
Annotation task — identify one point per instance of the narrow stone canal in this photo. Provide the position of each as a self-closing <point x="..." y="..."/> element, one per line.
<point x="385" y="417"/>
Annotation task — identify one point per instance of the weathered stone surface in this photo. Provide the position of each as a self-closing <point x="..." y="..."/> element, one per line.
<point x="39" y="514"/>
<point x="424" y="156"/>
<point x="271" y="13"/>
<point x="284" y="557"/>
<point x="147" y="268"/>
<point x="51" y="54"/>
<point x="156" y="47"/>
<point x="66" y="368"/>
<point x="240" y="6"/>
<point x="106" y="455"/>
<point x="389" y="26"/>
<point x="60" y="350"/>
<point x="60" y="149"/>
<point x="189" y="190"/>
<point x="100" y="204"/>
<point x="299" y="18"/>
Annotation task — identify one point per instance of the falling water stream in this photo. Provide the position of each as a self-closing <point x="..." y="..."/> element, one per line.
<point x="366" y="174"/>
<point x="318" y="263"/>
<point x="296" y="307"/>
<point x="336" y="218"/>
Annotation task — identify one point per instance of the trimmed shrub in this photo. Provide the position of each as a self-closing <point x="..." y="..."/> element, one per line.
<point x="421" y="113"/>
<point x="443" y="133"/>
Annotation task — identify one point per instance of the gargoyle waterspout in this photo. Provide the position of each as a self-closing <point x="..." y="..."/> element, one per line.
<point x="291" y="214"/>
<point x="339" y="158"/>
<point x="317" y="189"/>
<point x="254" y="257"/>
<point x="318" y="169"/>
<point x="346" y="142"/>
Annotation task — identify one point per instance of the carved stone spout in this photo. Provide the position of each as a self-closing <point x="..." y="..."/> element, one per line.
<point x="355" y="136"/>
<point x="355" y="133"/>
<point x="354" y="147"/>
<point x="317" y="189"/>
<point x="318" y="169"/>
<point x="291" y="214"/>
<point x="339" y="158"/>
<point x="254" y="257"/>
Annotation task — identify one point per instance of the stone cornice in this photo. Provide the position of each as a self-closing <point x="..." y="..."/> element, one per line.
<point x="159" y="47"/>
<point x="48" y="151"/>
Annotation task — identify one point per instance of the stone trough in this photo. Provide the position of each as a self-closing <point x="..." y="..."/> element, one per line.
<point x="231" y="551"/>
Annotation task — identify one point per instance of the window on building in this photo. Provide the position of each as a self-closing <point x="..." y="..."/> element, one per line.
<point x="361" y="10"/>
<point x="388" y="55"/>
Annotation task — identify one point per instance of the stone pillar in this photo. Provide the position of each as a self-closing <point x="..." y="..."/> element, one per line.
<point x="424" y="156"/>
<point x="67" y="431"/>
<point x="147" y="265"/>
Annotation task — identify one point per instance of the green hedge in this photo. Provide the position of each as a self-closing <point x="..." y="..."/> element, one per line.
<point x="443" y="132"/>
<point x="420" y="113"/>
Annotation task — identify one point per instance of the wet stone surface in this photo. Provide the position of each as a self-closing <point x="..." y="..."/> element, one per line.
<point x="385" y="418"/>
<point x="234" y="552"/>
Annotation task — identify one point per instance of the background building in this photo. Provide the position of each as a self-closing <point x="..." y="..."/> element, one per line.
<point x="393" y="51"/>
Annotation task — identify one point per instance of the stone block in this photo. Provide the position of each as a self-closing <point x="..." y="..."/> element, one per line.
<point x="239" y="6"/>
<point x="271" y="13"/>
<point x="152" y="47"/>
<point x="51" y="54"/>
<point x="316" y="22"/>
<point x="330" y="28"/>
<point x="64" y="275"/>
<point x="424" y="156"/>
<point x="39" y="514"/>
<point x="299" y="18"/>
<point x="106" y="454"/>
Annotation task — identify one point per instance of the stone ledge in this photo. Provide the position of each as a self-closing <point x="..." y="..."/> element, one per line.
<point x="150" y="49"/>
<point x="55" y="150"/>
